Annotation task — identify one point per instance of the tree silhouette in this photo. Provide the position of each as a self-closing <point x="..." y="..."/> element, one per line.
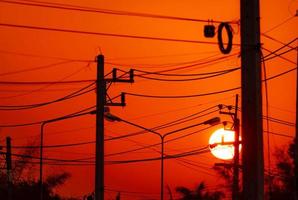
<point x="283" y="178"/>
<point x="25" y="185"/>
<point x="200" y="193"/>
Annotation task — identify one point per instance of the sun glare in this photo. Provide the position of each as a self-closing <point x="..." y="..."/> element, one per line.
<point x="217" y="144"/>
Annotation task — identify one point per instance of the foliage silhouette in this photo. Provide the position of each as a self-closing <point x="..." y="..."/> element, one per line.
<point x="283" y="178"/>
<point x="24" y="185"/>
<point x="200" y="193"/>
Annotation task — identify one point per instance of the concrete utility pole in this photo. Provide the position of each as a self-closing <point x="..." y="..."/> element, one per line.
<point x="236" y="153"/>
<point x="252" y="130"/>
<point x="236" y="143"/>
<point x="99" y="148"/>
<point x="101" y="102"/>
<point x="8" y="167"/>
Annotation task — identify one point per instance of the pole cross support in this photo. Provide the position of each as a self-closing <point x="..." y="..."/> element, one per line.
<point x="115" y="79"/>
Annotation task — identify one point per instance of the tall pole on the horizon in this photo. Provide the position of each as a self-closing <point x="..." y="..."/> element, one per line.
<point x="252" y="129"/>
<point x="99" y="147"/>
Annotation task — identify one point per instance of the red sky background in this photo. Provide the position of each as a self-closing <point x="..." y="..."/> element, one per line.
<point x="22" y="49"/>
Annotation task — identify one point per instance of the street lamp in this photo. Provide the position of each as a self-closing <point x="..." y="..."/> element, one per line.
<point x="41" y="145"/>
<point x="212" y="122"/>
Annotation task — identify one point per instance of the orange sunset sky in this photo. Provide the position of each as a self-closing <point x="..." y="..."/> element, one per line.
<point x="46" y="56"/>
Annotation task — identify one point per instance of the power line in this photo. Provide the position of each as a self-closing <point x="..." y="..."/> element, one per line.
<point x="172" y="123"/>
<point x="48" y="85"/>
<point x="61" y="82"/>
<point x="169" y="124"/>
<point x="184" y="154"/>
<point x="44" y="56"/>
<point x="267" y="120"/>
<point x="282" y="57"/>
<point x="196" y="74"/>
<point x="276" y="40"/>
<point x="199" y="63"/>
<point x="151" y="57"/>
<point x="202" y="94"/>
<point x="30" y="106"/>
<point x="106" y="11"/>
<point x="49" y="159"/>
<point x="279" y="134"/>
<point x="36" y="68"/>
<point x="281" y="74"/>
<point x="79" y="113"/>
<point x="275" y="120"/>
<point x="156" y="144"/>
<point x="84" y="160"/>
<point x="285" y="45"/>
<point x="29" y="83"/>
<point x="188" y="79"/>
<point x="279" y="55"/>
<point x="280" y="24"/>
<point x="44" y="90"/>
<point x="181" y="96"/>
<point x="54" y="146"/>
<point x="279" y="121"/>
<point x="105" y="34"/>
<point x="166" y="65"/>
<point x="160" y="113"/>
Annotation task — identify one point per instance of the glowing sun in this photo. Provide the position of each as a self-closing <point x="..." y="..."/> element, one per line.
<point x="217" y="146"/>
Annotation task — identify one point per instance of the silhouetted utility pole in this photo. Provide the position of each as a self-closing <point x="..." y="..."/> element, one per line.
<point x="236" y="153"/>
<point x="236" y="143"/>
<point x="102" y="100"/>
<point x="252" y="130"/>
<point x="8" y="167"/>
<point x="99" y="148"/>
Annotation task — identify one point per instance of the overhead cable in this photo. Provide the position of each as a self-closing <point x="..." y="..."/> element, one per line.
<point x="85" y="160"/>
<point x="187" y="79"/>
<point x="106" y="11"/>
<point x="193" y="74"/>
<point x="43" y="28"/>
<point x="280" y="24"/>
<point x="284" y="46"/>
<point x="36" y="68"/>
<point x="75" y="114"/>
<point x="155" y="144"/>
<point x="182" y="96"/>
<point x="279" y="55"/>
<point x="25" y="83"/>
<point x="202" y="94"/>
<point x="169" y="124"/>
<point x="276" y="40"/>
<point x="30" y="106"/>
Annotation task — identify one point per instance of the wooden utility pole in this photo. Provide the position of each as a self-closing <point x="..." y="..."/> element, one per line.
<point x="99" y="147"/>
<point x="252" y="130"/>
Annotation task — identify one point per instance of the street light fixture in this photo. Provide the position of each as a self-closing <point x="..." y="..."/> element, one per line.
<point x="43" y="124"/>
<point x="213" y="121"/>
